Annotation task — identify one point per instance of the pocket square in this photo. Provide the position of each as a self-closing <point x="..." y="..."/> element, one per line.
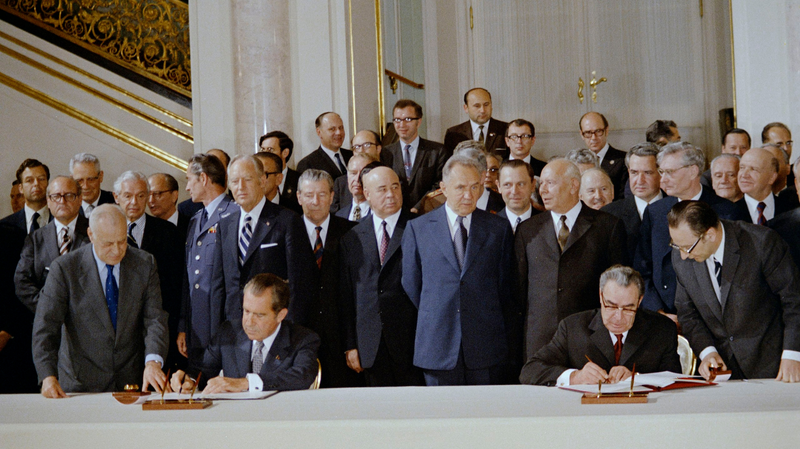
<point x="46" y="268"/>
<point x="268" y="245"/>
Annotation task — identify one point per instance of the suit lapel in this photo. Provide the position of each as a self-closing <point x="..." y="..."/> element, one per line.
<point x="266" y="222"/>
<point x="148" y="243"/>
<point x="128" y="278"/>
<point x="636" y="337"/>
<point x="366" y="233"/>
<point x="478" y="234"/>
<point x="601" y="338"/>
<point x="278" y="352"/>
<point x="327" y="161"/>
<point x="582" y="225"/>
<point x="441" y="229"/>
<point x="397" y="237"/>
<point x="95" y="293"/>
<point x="421" y="155"/>
<point x="707" y="295"/>
<point x="51" y="243"/>
<point x="729" y="266"/>
<point x="549" y="235"/>
<point x="244" y="352"/>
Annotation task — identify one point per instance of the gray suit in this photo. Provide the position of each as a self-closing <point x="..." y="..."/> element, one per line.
<point x="74" y="296"/>
<point x="759" y="314"/>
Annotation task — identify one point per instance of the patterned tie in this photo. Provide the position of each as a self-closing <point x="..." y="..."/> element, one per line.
<point x="34" y="222"/>
<point x="718" y="272"/>
<point x="384" y="242"/>
<point x="617" y="349"/>
<point x="407" y="161"/>
<point x="519" y="220"/>
<point x="338" y="158"/>
<point x="88" y="211"/>
<point x="112" y="295"/>
<point x="480" y="136"/>
<point x="258" y="357"/>
<point x="563" y="233"/>
<point x="131" y="238"/>
<point x="460" y="241"/>
<point x="318" y="247"/>
<point x="762" y="220"/>
<point x="357" y="213"/>
<point x="244" y="240"/>
<point x="65" y="241"/>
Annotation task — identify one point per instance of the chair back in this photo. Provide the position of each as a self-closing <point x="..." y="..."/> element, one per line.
<point x="318" y="379"/>
<point x="688" y="359"/>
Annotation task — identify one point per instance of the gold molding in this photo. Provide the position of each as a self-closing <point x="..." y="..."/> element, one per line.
<point x="119" y="104"/>
<point x="379" y="39"/>
<point x="733" y="66"/>
<point x="60" y="106"/>
<point x="96" y="78"/>
<point x="352" y="65"/>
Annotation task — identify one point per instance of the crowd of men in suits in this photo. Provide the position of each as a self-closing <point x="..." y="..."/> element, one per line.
<point x="415" y="263"/>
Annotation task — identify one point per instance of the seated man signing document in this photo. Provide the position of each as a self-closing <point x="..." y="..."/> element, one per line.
<point x="262" y="351"/>
<point x="604" y="344"/>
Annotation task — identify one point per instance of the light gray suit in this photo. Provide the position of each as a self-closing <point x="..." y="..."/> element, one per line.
<point x="102" y="359"/>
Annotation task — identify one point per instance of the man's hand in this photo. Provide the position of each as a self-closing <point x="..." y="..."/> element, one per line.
<point x="154" y="376"/>
<point x="182" y="344"/>
<point x="618" y="373"/>
<point x="221" y="384"/>
<point x="590" y="374"/>
<point x="52" y="389"/>
<point x="4" y="337"/>
<point x="353" y="361"/>
<point x="180" y="382"/>
<point x="713" y="360"/>
<point x="789" y="371"/>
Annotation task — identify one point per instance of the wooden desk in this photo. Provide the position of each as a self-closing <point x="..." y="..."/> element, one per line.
<point x="737" y="414"/>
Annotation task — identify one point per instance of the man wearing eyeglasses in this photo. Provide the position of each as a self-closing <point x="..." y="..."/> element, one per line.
<point x="273" y="170"/>
<point x="418" y="162"/>
<point x="279" y="143"/>
<point x="85" y="169"/>
<point x="594" y="131"/>
<point x="163" y="201"/>
<point x="368" y="141"/>
<point x="738" y="294"/>
<point x="779" y="134"/>
<point x="604" y="344"/>
<point x="520" y="137"/>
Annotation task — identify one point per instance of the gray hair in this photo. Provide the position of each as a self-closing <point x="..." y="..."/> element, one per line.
<point x="644" y="149"/>
<point x="583" y="156"/>
<point x="256" y="162"/>
<point x="314" y="175"/>
<point x="692" y="155"/>
<point x="724" y="156"/>
<point x="624" y="277"/>
<point x="474" y="150"/>
<point x="129" y="175"/>
<point x="602" y="173"/>
<point x="106" y="212"/>
<point x="464" y="161"/>
<point x="85" y="158"/>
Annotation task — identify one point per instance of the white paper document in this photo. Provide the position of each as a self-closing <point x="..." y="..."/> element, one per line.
<point x="245" y="395"/>
<point x="642" y="382"/>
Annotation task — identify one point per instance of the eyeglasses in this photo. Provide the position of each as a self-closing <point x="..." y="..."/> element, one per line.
<point x="625" y="310"/>
<point x="364" y="146"/>
<point x="522" y="137"/>
<point x="158" y="193"/>
<point x="88" y="179"/>
<point x="493" y="169"/>
<point x="58" y="197"/>
<point x="397" y="120"/>
<point x="270" y="173"/>
<point x="670" y="171"/>
<point x="691" y="248"/>
<point x="596" y="133"/>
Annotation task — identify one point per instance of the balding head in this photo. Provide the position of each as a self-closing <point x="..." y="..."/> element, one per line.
<point x="758" y="170"/>
<point x="783" y="166"/>
<point x="560" y="186"/>
<point x="107" y="231"/>
<point x="382" y="191"/>
<point x="597" y="190"/>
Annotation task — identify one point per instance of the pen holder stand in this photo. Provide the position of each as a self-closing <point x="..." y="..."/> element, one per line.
<point x="177" y="404"/>
<point x="614" y="398"/>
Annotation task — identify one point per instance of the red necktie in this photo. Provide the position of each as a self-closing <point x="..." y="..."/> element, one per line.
<point x="617" y="349"/>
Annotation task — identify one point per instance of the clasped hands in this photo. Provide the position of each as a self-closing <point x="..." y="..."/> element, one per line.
<point x="182" y="383"/>
<point x="591" y="373"/>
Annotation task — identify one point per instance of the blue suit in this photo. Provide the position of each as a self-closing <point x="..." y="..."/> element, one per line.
<point x="465" y="311"/>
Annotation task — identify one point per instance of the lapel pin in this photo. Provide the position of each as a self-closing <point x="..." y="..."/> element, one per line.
<point x="277" y="357"/>
<point x="267" y="223"/>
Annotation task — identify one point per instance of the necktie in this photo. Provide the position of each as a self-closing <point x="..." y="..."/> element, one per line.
<point x="318" y="247"/>
<point x="88" y="211"/>
<point x="112" y="295"/>
<point x="718" y="272"/>
<point x="563" y="233"/>
<point x="617" y="349"/>
<point x="357" y="213"/>
<point x="480" y="136"/>
<point x="203" y="219"/>
<point x="460" y="241"/>
<point x="762" y="220"/>
<point x="244" y="240"/>
<point x="407" y="163"/>
<point x="339" y="163"/>
<point x="131" y="238"/>
<point x="34" y="222"/>
<point x="519" y="220"/>
<point x="63" y="247"/>
<point x="258" y="357"/>
<point x="384" y="242"/>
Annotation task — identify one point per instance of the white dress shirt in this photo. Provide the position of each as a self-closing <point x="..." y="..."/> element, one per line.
<point x="391" y="224"/>
<point x="602" y="153"/>
<point x="563" y="379"/>
<point x="255" y="383"/>
<point x="476" y="132"/>
<point x="572" y="215"/>
<point x="173" y="218"/>
<point x="138" y="230"/>
<point x="641" y="204"/>
<point x="332" y="154"/>
<point x="483" y="201"/>
<point x="44" y="217"/>
<point x="752" y="207"/>
<point x="311" y="230"/>
<point x="255" y="213"/>
<point x="70" y="230"/>
<point x="412" y="151"/>
<point x="512" y="218"/>
<point x="363" y="207"/>
<point x="451" y="221"/>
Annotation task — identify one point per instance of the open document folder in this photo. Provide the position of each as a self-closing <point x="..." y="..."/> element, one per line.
<point x="664" y="380"/>
<point x="216" y="396"/>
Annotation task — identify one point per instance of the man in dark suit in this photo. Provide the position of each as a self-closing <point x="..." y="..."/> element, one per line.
<point x="788" y="223"/>
<point x="17" y="199"/>
<point x="785" y="182"/>
<point x="758" y="170"/>
<point x="615" y="338"/>
<point x="273" y="167"/>
<point x="261" y="351"/>
<point x="203" y="293"/>
<point x="105" y="296"/>
<point x="347" y="190"/>
<point x="418" y="162"/>
<point x="85" y="169"/>
<point x="680" y="165"/>
<point x="480" y="126"/>
<point x="33" y="176"/>
<point x="561" y="255"/>
<point x="279" y="143"/>
<point x="520" y="137"/>
<point x="159" y="238"/>
<point x="263" y="237"/>
<point x="594" y="132"/>
<point x="645" y="182"/>
<point x="324" y="231"/>
<point x="330" y="156"/>
<point x="778" y="134"/>
<point x="465" y="327"/>
<point x="516" y="186"/>
<point x="379" y="320"/>
<point x="662" y="132"/>
<point x="724" y="171"/>
<point x="17" y="373"/>
<point x="368" y="141"/>
<point x="189" y="207"/>
<point x="163" y="201"/>
<point x="738" y="298"/>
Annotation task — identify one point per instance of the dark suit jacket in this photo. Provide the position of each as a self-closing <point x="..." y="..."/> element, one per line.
<point x="627" y="211"/>
<point x="495" y="203"/>
<point x="614" y="164"/>
<point x="319" y="160"/>
<point x="73" y="296"/>
<point x="342" y="198"/>
<point x="279" y="246"/>
<point x="183" y="226"/>
<point x="374" y="304"/>
<point x="189" y="208"/>
<point x="291" y="363"/>
<point x="534" y="212"/>
<point x="553" y="285"/>
<point x="787" y="226"/>
<point x="426" y="171"/>
<point x="106" y="197"/>
<point x="495" y="137"/>
<point x="470" y="309"/>
<point x="40" y="250"/>
<point x="289" y="192"/>
<point x="18" y="219"/>
<point x="536" y="164"/>
<point x="782" y="204"/>
<point x="759" y="313"/>
<point x="651" y="345"/>
<point x="654" y="256"/>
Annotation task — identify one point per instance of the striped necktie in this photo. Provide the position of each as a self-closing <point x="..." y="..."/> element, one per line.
<point x="131" y="239"/>
<point x="63" y="247"/>
<point x="318" y="247"/>
<point x="244" y="240"/>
